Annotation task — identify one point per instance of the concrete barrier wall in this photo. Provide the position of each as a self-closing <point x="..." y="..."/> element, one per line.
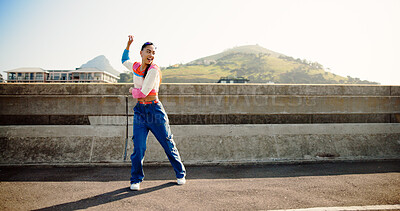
<point x="199" y="144"/>
<point x="203" y="103"/>
<point x="211" y="123"/>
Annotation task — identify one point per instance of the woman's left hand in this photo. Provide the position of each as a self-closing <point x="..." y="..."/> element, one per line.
<point x="130" y="90"/>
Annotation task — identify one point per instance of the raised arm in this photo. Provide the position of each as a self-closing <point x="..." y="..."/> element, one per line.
<point x="125" y="56"/>
<point x="130" y="41"/>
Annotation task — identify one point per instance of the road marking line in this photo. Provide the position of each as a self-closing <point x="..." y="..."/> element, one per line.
<point x="371" y="207"/>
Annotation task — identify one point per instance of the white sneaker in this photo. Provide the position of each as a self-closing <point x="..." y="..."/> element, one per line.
<point x="181" y="181"/>
<point x="135" y="186"/>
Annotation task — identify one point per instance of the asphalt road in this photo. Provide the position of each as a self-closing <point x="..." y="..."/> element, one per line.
<point x="244" y="187"/>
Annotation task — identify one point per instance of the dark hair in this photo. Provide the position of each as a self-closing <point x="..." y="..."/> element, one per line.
<point x="143" y="47"/>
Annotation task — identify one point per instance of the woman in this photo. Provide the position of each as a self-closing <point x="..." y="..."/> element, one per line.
<point x="149" y="114"/>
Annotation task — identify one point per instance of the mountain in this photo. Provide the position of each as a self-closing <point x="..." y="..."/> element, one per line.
<point x="248" y="49"/>
<point x="257" y="64"/>
<point x="101" y="63"/>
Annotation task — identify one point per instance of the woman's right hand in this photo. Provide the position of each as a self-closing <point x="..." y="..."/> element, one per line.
<point x="130" y="40"/>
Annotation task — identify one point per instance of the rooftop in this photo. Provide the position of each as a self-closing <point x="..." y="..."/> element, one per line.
<point x="27" y="70"/>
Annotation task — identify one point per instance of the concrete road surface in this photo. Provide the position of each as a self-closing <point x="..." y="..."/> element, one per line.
<point x="241" y="187"/>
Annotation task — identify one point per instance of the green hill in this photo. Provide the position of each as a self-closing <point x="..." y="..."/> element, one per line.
<point x="257" y="64"/>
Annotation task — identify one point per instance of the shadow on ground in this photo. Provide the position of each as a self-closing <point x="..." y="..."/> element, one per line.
<point x="105" y="198"/>
<point x="104" y="174"/>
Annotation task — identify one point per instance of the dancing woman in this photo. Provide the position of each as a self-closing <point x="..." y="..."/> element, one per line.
<point x="149" y="114"/>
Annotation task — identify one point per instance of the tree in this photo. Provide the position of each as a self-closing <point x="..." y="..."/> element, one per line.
<point x="126" y="77"/>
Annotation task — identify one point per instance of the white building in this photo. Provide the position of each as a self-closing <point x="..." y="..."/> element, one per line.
<point x="227" y="80"/>
<point x="80" y="75"/>
<point x="27" y="75"/>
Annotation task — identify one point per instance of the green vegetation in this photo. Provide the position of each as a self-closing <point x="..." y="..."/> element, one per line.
<point x="255" y="63"/>
<point x="126" y="77"/>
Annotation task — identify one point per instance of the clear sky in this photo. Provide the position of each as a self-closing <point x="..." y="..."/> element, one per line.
<point x="359" y="38"/>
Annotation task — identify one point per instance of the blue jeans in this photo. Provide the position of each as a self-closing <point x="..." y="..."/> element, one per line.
<point x="152" y="117"/>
